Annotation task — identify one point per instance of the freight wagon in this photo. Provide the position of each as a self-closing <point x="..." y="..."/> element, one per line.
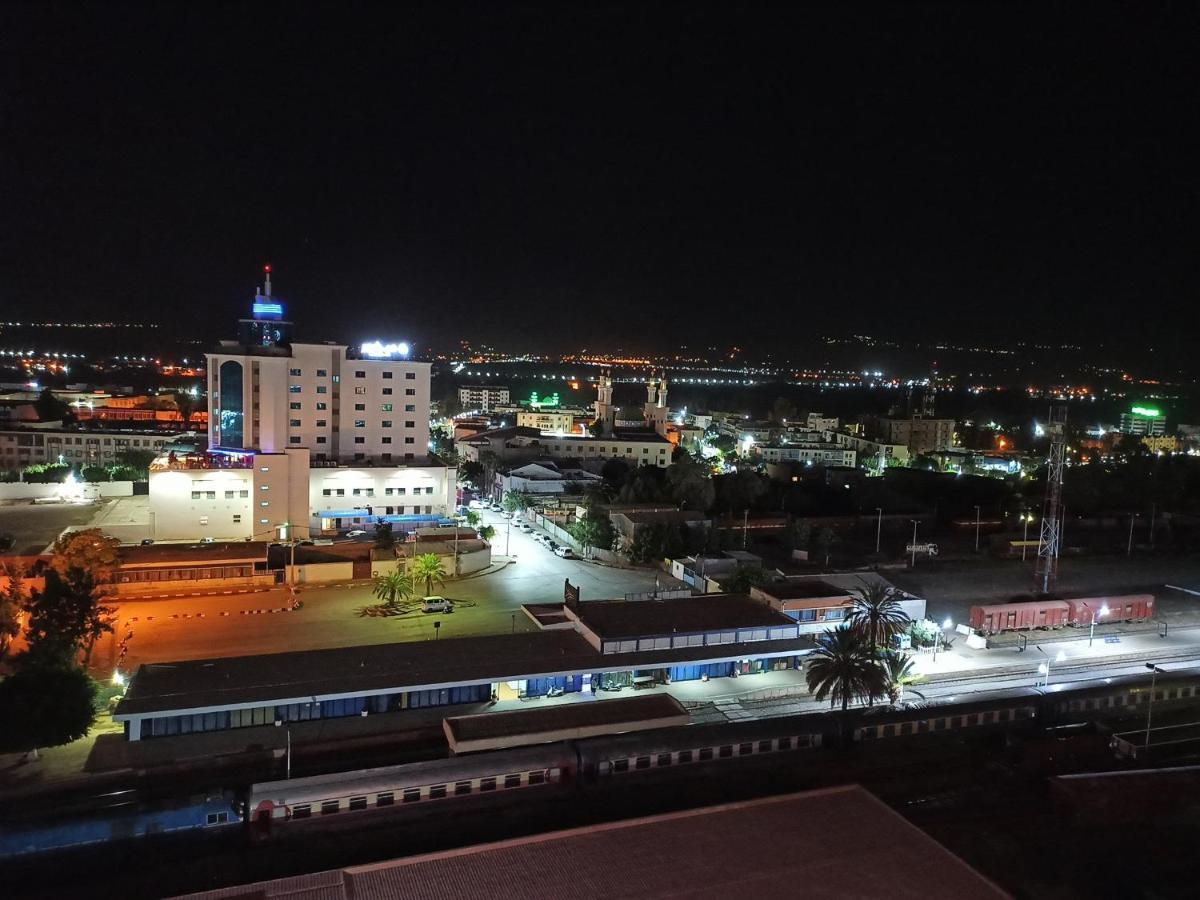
<point x="998" y="617"/>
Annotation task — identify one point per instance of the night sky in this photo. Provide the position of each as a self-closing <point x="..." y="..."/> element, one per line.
<point x="602" y="175"/>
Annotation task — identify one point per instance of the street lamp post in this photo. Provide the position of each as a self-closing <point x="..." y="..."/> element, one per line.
<point x="287" y="757"/>
<point x="976" y="529"/>
<point x="1025" y="539"/>
<point x="1044" y="668"/>
<point x="946" y="626"/>
<point x="913" y="564"/>
<point x="1103" y="612"/>
<point x="878" y="528"/>
<point x="1129" y="547"/>
<point x="1155" y="671"/>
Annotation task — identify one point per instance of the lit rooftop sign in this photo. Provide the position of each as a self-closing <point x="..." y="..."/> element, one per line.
<point x="534" y="402"/>
<point x="267" y="310"/>
<point x="1148" y="411"/>
<point x="380" y="350"/>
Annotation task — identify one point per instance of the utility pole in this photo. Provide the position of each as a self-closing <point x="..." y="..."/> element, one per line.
<point x="1155" y="671"/>
<point x="1129" y="546"/>
<point x="878" y="528"/>
<point x="745" y="525"/>
<point x="914" y="545"/>
<point x="976" y="529"/>
<point x="1153" y="516"/>
<point x="1046" y="573"/>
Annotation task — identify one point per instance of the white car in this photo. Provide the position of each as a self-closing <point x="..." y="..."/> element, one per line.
<point x="564" y="552"/>
<point x="540" y="538"/>
<point x="524" y="526"/>
<point x="435" y="605"/>
<point x="357" y="532"/>
<point x="477" y="504"/>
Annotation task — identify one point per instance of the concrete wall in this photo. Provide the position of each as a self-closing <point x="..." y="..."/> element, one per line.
<point x="318" y="572"/>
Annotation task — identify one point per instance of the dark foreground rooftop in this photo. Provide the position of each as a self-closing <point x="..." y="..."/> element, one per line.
<point x="565" y="717"/>
<point x="711" y="612"/>
<point x="746" y="849"/>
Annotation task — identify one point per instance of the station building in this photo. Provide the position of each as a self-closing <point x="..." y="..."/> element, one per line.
<point x="579" y="647"/>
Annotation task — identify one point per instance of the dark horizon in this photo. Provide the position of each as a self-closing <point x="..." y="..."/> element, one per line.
<point x="607" y="175"/>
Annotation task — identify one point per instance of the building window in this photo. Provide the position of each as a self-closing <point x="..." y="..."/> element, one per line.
<point x="294" y="389"/>
<point x="387" y="374"/>
<point x="385" y="407"/>
<point x="360" y="440"/>
<point x="264" y="487"/>
<point x="327" y="492"/>
<point x="360" y="390"/>
<point x="237" y="518"/>
<point x="409" y="423"/>
<point x="265" y="503"/>
<point x="322" y="406"/>
<point x="321" y="389"/>
<point x="360" y="374"/>
<point x="321" y="423"/>
<point x="294" y="439"/>
<point x="295" y="373"/>
<point x="387" y="392"/>
<point x="204" y="520"/>
<point x="360" y="407"/>
<point x="321" y="373"/>
<point x="386" y="423"/>
<point x="387" y="440"/>
<point x="294" y="423"/>
<point x="263" y="521"/>
<point x="410" y="392"/>
<point x="360" y="423"/>
<point x="410" y="407"/>
<point x="409" y="440"/>
<point x="294" y="405"/>
<point x="410" y="376"/>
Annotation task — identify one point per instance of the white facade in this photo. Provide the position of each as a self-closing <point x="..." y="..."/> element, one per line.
<point x="349" y="496"/>
<point x="319" y="397"/>
<point x="263" y="496"/>
<point x="484" y="398"/>
<point x="825" y="454"/>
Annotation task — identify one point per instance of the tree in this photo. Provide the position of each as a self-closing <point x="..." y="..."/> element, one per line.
<point x="740" y="490"/>
<point x="825" y="541"/>
<point x="876" y="614"/>
<point x="12" y="601"/>
<point x="138" y="460"/>
<point x="487" y="532"/>
<point x="385" y="539"/>
<point x="798" y="535"/>
<point x="44" y="706"/>
<point x="471" y="472"/>
<point x="897" y="672"/>
<point x="94" y="473"/>
<point x="593" y="528"/>
<point x="65" y="618"/>
<point x="429" y="567"/>
<point x="49" y="408"/>
<point x="472" y="518"/>
<point x="186" y="404"/>
<point x="690" y="483"/>
<point x="90" y="552"/>
<point x="743" y="578"/>
<point x="842" y="668"/>
<point x="392" y="588"/>
<point x="516" y="501"/>
<point x="615" y="473"/>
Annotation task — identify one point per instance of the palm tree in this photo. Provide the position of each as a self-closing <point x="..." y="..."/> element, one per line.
<point x="842" y="668"/>
<point x="392" y="588"/>
<point x="429" y="567"/>
<point x="876" y="614"/>
<point x="896" y="670"/>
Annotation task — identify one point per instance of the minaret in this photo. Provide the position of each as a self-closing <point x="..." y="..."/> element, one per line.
<point x="605" y="414"/>
<point x="648" y="409"/>
<point x="661" y="413"/>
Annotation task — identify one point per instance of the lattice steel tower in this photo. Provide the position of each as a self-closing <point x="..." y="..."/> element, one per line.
<point x="1046" y="573"/>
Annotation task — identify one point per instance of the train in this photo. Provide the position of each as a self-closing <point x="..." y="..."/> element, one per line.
<point x="1048" y="613"/>
<point x="588" y="764"/>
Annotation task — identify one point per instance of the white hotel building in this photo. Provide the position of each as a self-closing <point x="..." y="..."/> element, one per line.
<point x="305" y="439"/>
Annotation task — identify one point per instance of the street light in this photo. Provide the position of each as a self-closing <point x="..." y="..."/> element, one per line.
<point x="878" y="528"/>
<point x="1129" y="548"/>
<point x="288" y="752"/>
<point x="914" y="544"/>
<point x="1044" y="668"/>
<point x="1155" y="671"/>
<point x="976" y="529"/>
<point x="946" y="626"/>
<point x="1103" y="612"/>
<point x="1025" y="539"/>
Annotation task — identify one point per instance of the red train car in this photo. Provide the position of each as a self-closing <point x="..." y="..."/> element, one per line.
<point x="1123" y="608"/>
<point x="1020" y="616"/>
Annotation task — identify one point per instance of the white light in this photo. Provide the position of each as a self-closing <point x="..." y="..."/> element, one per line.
<point x="947" y="625"/>
<point x="379" y="349"/>
<point x="1042" y="669"/>
<point x="118" y="679"/>
<point x="1061" y="656"/>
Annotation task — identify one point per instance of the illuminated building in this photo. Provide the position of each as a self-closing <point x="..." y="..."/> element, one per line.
<point x="1147" y="421"/>
<point x="482" y="398"/>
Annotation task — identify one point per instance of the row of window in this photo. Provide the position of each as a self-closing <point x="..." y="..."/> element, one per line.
<point x="707" y="754"/>
<point x="361" y="391"/>
<point x="428" y="792"/>
<point x="370" y="492"/>
<point x="321" y="439"/>
<point x="229" y="495"/>
<point x="945" y="723"/>
<point x="1133" y="698"/>
<point x="190" y="573"/>
<point x="358" y="373"/>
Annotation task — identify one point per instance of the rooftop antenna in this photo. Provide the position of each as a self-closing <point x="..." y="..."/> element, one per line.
<point x="267" y="286"/>
<point x="1046" y="573"/>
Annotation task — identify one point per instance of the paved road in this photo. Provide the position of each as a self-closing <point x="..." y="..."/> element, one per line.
<point x="331" y="615"/>
<point x="35" y="527"/>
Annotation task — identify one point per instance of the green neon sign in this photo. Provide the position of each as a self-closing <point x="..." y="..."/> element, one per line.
<point x="1148" y="411"/>
<point x="552" y="400"/>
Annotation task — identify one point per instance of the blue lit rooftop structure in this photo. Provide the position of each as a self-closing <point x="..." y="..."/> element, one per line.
<point x="266" y="326"/>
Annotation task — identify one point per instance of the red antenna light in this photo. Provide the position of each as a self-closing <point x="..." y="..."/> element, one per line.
<point x="267" y="268"/>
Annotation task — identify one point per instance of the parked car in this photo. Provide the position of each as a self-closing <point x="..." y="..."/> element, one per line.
<point x="540" y="538"/>
<point x="146" y="542"/>
<point x="478" y="504"/>
<point x="208" y="540"/>
<point x="496" y="507"/>
<point x="357" y="532"/>
<point x="564" y="552"/>
<point x="435" y="605"/>
<point x="506" y="514"/>
<point x="524" y="526"/>
<point x="552" y="546"/>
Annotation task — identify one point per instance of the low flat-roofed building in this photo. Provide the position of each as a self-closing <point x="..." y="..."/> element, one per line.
<point x="611" y="643"/>
<point x="180" y="567"/>
<point x="562" y="722"/>
<point x="817" y="602"/>
<point x="711" y="853"/>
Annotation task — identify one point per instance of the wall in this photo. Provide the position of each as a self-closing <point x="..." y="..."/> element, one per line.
<point x="175" y="515"/>
<point x="317" y="572"/>
<point x="88" y="490"/>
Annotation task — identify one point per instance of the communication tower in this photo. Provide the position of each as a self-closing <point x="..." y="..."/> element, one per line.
<point x="1046" y="573"/>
